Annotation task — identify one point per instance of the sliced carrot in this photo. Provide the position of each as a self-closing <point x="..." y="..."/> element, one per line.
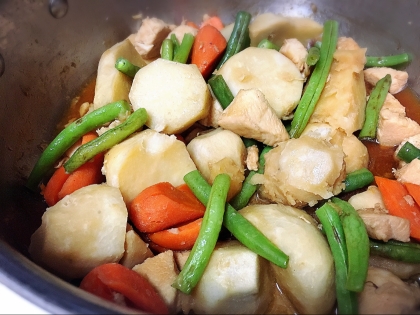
<point x="214" y="21"/>
<point x="414" y="191"/>
<point x="54" y="185"/>
<point x="107" y="279"/>
<point x="187" y="191"/>
<point x="209" y="46"/>
<point x="179" y="238"/>
<point x="192" y="24"/>
<point x="162" y="206"/>
<point x="399" y="202"/>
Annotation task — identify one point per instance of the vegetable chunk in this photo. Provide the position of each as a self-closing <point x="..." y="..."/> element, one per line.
<point x="81" y="231"/>
<point x="174" y="95"/>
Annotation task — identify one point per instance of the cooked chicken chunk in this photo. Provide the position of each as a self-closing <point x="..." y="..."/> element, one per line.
<point x="293" y="49"/>
<point x="409" y="173"/>
<point x="414" y="140"/>
<point x="399" y="78"/>
<point x="393" y="125"/>
<point x="385" y="293"/>
<point x="249" y="115"/>
<point x="343" y="100"/>
<point x="252" y="158"/>
<point x="150" y="36"/>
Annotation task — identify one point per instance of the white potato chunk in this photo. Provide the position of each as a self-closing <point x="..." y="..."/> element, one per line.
<point x="303" y="171"/>
<point x="111" y="84"/>
<point x="220" y="151"/>
<point x="145" y="159"/>
<point x="371" y="198"/>
<point x="357" y="155"/>
<point x="269" y="71"/>
<point x="175" y="95"/>
<point x="309" y="279"/>
<point x="83" y="230"/>
<point x="250" y="116"/>
<point x="277" y="28"/>
<point x="136" y="250"/>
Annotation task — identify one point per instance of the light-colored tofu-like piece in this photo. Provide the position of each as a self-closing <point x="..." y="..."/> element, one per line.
<point x="143" y="160"/>
<point x="250" y="116"/>
<point x="161" y="270"/>
<point x="252" y="158"/>
<point x="393" y="124"/>
<point x="82" y="231"/>
<point x="181" y="30"/>
<point x="236" y="281"/>
<point x="371" y="198"/>
<point x="293" y="49"/>
<point x="277" y="28"/>
<point x="357" y="155"/>
<point x="399" y="78"/>
<point x="150" y="36"/>
<point x="343" y="100"/>
<point x="136" y="250"/>
<point x="385" y="293"/>
<point x="220" y="151"/>
<point x="409" y="173"/>
<point x="309" y="279"/>
<point x="269" y="71"/>
<point x="111" y="84"/>
<point x="184" y="99"/>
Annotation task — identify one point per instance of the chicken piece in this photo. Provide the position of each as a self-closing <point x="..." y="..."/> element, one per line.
<point x="161" y="270"/>
<point x="385" y="293"/>
<point x="148" y="39"/>
<point x="399" y="78"/>
<point x="250" y="116"/>
<point x="302" y="171"/>
<point x="136" y="250"/>
<point x="393" y="124"/>
<point x="414" y="140"/>
<point x="409" y="173"/>
<point x="293" y="49"/>
<point x="181" y="30"/>
<point x="252" y="158"/>
<point x="343" y="100"/>
<point x="371" y="198"/>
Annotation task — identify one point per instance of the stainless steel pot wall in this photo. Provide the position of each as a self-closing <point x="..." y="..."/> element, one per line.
<point x="46" y="59"/>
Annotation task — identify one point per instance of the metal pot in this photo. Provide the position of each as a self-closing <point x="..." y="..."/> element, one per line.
<point x="48" y="50"/>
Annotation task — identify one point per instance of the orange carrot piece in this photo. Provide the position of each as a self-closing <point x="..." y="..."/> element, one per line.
<point x="162" y="206"/>
<point x="192" y="24"/>
<point x="54" y="185"/>
<point x="185" y="189"/>
<point x="209" y="46"/>
<point x="414" y="191"/>
<point x="179" y="238"/>
<point x="214" y="21"/>
<point x="397" y="200"/>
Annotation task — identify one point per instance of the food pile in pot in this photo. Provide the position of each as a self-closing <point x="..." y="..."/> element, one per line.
<point x="228" y="168"/>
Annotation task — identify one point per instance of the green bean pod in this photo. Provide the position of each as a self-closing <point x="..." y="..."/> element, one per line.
<point x="243" y="230"/>
<point x="388" y="61"/>
<point x="184" y="49"/>
<point x="373" y="107"/>
<point x="73" y="132"/>
<point x="333" y="228"/>
<point x="408" y="152"/>
<point x="175" y="43"/>
<point x="357" y="242"/>
<point x="221" y="90"/>
<point x="313" y="56"/>
<point x="167" y="50"/>
<point x="107" y="140"/>
<point x="207" y="238"/>
<point x="406" y="252"/>
<point x="358" y="179"/>
<point x="265" y="43"/>
<point x="317" y="79"/>
<point x="126" y="67"/>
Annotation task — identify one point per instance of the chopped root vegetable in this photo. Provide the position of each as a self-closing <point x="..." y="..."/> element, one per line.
<point x="54" y="186"/>
<point x="107" y="279"/>
<point x="414" y="191"/>
<point x="162" y="206"/>
<point x="208" y="48"/>
<point x="400" y="203"/>
<point x="192" y="24"/>
<point x="179" y="238"/>
<point x="214" y="21"/>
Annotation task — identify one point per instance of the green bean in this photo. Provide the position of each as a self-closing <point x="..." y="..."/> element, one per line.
<point x="408" y="152"/>
<point x="358" y="179"/>
<point x="388" y="61"/>
<point x="207" y="238"/>
<point x="107" y="140"/>
<point x="265" y="43"/>
<point x="221" y="90"/>
<point x="313" y="56"/>
<point x="406" y="252"/>
<point x="243" y="230"/>
<point x="247" y="191"/>
<point x="183" y="51"/>
<point x="373" y="107"/>
<point x="357" y="243"/>
<point x="73" y="132"/>
<point x="167" y="51"/>
<point x="126" y="67"/>
<point x="249" y="142"/>
<point x="175" y="43"/>
<point x="239" y="39"/>
<point x="317" y="79"/>
<point x="331" y="224"/>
